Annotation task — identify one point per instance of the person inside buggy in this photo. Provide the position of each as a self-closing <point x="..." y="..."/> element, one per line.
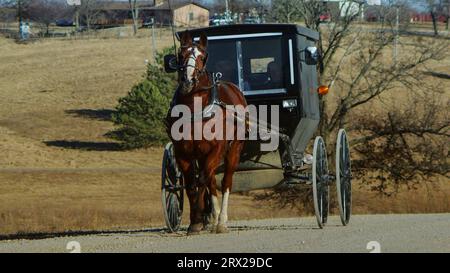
<point x="274" y="75"/>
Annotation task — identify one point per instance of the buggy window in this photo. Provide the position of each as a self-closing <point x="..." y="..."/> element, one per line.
<point x="252" y="63"/>
<point x="222" y="58"/>
<point x="262" y="63"/>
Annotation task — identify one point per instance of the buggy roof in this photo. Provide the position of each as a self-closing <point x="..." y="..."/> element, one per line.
<point x="254" y="28"/>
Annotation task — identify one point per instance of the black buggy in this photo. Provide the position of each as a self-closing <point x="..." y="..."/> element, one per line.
<point x="273" y="64"/>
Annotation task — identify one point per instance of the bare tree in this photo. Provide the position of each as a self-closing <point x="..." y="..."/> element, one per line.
<point x="373" y="74"/>
<point x="433" y="9"/>
<point x="446" y="12"/>
<point x="404" y="146"/>
<point x="19" y="6"/>
<point x="89" y="11"/>
<point x="357" y="64"/>
<point x="134" y="8"/>
<point x="45" y="12"/>
<point x="438" y="9"/>
<point x="286" y="11"/>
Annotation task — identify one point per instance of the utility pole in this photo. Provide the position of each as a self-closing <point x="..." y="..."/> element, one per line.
<point x="227" y="11"/>
<point x="76" y="4"/>
<point x="362" y="12"/>
<point x="77" y="18"/>
<point x="19" y="15"/>
<point x="153" y="40"/>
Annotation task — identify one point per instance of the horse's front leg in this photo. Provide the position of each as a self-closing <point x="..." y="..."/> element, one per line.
<point x="192" y="190"/>
<point x="231" y="164"/>
<point x="209" y="166"/>
<point x="196" y="194"/>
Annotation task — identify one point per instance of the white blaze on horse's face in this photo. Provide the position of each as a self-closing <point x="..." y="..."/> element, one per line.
<point x="191" y="65"/>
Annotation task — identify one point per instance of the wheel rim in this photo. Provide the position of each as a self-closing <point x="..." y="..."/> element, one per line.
<point x="172" y="194"/>
<point x="343" y="177"/>
<point x="320" y="181"/>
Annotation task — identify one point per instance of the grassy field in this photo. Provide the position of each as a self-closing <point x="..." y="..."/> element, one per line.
<point x="59" y="172"/>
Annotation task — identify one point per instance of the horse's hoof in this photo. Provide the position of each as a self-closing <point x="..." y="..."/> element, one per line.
<point x="207" y="227"/>
<point x="221" y="229"/>
<point x="213" y="228"/>
<point x="195" y="229"/>
<point x="190" y="233"/>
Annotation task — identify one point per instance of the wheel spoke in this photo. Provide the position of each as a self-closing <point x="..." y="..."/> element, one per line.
<point x="343" y="176"/>
<point x="321" y="207"/>
<point x="320" y="179"/>
<point x="172" y="190"/>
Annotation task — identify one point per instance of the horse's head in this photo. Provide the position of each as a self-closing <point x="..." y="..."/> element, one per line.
<point x="192" y="59"/>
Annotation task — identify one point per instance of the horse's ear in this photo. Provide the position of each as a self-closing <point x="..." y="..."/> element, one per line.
<point x="186" y="39"/>
<point x="203" y="42"/>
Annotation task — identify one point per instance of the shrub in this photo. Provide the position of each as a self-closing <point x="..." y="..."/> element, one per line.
<point x="140" y="113"/>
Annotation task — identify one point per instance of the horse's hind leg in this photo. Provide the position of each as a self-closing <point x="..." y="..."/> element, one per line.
<point x="231" y="163"/>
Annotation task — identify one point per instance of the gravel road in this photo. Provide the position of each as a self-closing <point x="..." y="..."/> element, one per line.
<point x="392" y="233"/>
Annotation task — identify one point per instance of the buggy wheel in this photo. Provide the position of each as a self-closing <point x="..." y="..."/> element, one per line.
<point x="343" y="177"/>
<point x="320" y="177"/>
<point x="172" y="191"/>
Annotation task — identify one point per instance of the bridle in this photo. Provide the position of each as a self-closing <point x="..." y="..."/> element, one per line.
<point x="198" y="72"/>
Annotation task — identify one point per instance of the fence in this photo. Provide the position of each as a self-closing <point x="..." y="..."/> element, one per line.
<point x="11" y="30"/>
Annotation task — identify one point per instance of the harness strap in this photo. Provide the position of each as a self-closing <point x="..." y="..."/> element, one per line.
<point x="214" y="100"/>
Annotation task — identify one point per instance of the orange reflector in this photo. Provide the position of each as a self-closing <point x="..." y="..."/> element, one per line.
<point x="323" y="90"/>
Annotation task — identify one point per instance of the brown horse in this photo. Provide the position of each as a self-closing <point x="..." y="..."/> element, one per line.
<point x="199" y="159"/>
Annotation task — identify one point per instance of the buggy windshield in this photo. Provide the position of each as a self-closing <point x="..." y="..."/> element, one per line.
<point x="252" y="62"/>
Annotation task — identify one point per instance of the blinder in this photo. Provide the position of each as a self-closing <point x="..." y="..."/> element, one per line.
<point x="171" y="62"/>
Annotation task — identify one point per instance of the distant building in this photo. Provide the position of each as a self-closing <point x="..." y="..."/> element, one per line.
<point x="426" y="17"/>
<point x="113" y="13"/>
<point x="185" y="14"/>
<point x="7" y="14"/>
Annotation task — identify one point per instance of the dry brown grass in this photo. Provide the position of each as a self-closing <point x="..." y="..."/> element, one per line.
<point x="53" y="94"/>
<point x="427" y="198"/>
<point x="56" y="202"/>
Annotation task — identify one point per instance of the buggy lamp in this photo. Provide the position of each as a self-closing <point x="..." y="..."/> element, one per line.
<point x="323" y="90"/>
<point x="289" y="103"/>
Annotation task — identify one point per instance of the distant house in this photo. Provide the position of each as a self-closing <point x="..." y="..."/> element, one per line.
<point x="185" y="14"/>
<point x="7" y="14"/>
<point x="112" y="13"/>
<point x="426" y="17"/>
<point x="189" y="14"/>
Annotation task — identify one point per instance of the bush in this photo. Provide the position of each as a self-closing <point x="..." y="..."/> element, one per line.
<point x="140" y="114"/>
